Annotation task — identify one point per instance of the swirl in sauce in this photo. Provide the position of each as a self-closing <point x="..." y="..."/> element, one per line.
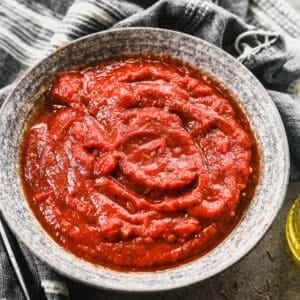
<point x="139" y="164"/>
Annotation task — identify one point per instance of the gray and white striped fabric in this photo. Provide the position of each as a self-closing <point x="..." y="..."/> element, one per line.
<point x="29" y="30"/>
<point x="263" y="34"/>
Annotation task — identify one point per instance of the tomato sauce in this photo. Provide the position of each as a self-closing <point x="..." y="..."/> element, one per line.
<point x="139" y="164"/>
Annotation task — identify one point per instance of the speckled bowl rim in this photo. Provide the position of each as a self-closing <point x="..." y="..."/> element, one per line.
<point x="276" y="169"/>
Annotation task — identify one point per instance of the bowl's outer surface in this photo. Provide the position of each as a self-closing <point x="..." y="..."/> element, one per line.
<point x="253" y="99"/>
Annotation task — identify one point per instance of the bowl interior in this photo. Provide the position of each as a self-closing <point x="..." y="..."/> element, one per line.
<point x="254" y="101"/>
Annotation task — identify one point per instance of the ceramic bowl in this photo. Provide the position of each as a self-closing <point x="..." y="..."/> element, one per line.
<point x="252" y="98"/>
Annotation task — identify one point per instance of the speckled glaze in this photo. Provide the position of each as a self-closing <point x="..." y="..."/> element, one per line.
<point x="254" y="100"/>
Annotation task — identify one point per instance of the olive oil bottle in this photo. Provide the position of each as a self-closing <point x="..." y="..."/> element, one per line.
<point x="292" y="230"/>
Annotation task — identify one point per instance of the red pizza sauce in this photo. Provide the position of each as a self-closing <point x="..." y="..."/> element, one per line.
<point x="139" y="164"/>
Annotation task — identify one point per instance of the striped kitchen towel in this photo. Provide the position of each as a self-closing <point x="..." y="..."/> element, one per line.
<point x="264" y="35"/>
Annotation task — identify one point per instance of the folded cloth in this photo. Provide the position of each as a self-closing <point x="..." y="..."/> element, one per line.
<point x="261" y="34"/>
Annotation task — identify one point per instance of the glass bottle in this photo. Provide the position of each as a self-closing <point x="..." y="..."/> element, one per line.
<point x="292" y="230"/>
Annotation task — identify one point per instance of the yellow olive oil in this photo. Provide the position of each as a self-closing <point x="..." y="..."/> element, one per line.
<point x="292" y="230"/>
